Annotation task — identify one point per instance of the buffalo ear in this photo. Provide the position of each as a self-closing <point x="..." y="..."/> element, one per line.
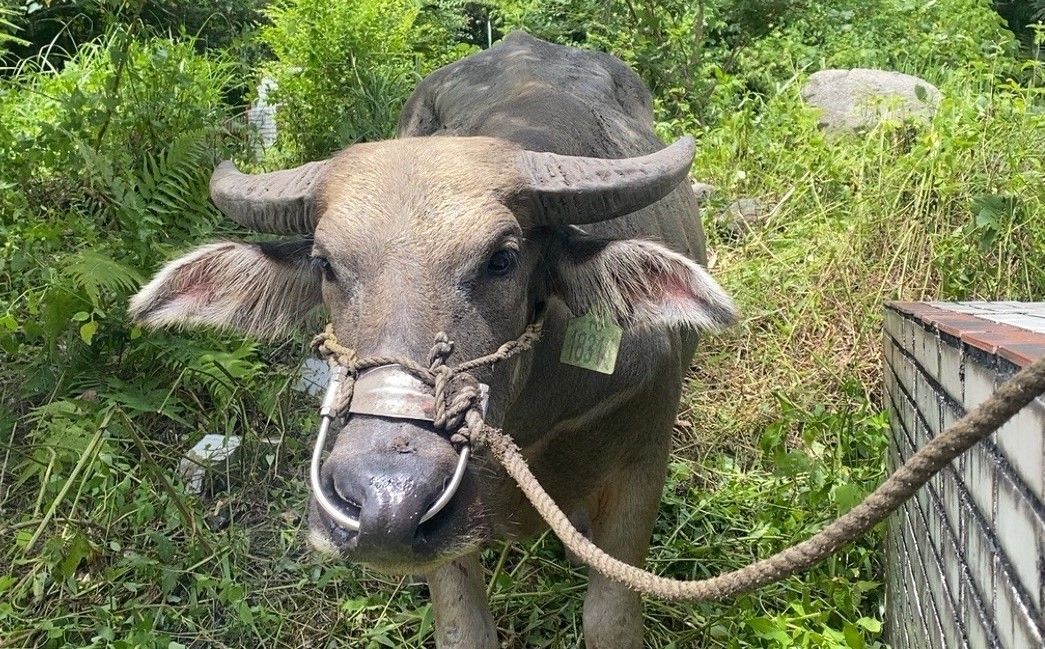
<point x="260" y="289"/>
<point x="641" y="283"/>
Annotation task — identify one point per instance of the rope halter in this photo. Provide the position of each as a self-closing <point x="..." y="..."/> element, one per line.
<point x="449" y="397"/>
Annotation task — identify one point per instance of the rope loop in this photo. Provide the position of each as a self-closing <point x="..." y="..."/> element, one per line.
<point x="441" y="350"/>
<point x="457" y="395"/>
<point x="326" y="346"/>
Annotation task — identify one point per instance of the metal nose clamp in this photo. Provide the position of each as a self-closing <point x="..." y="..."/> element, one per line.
<point x="385" y="391"/>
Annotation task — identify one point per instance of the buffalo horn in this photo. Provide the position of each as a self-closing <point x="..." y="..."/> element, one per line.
<point x="279" y="202"/>
<point x="562" y="189"/>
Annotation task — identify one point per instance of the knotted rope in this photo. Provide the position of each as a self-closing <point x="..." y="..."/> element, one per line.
<point x="465" y="423"/>
<point x="456" y="390"/>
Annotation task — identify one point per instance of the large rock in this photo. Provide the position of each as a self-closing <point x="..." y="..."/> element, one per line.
<point x="859" y="99"/>
<point x="743" y="216"/>
<point x="702" y="191"/>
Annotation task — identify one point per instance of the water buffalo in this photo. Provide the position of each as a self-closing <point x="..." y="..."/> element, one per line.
<point x="525" y="181"/>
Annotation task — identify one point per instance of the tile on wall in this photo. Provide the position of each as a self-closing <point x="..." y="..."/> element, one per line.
<point x="1017" y="528"/>
<point x="1022" y="442"/>
<point x="967" y="554"/>
<point x="979" y="384"/>
<point x="927" y="352"/>
<point x="952" y="374"/>
<point x="980" y="480"/>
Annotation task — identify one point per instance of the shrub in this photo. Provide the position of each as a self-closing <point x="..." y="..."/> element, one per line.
<point x="57" y="28"/>
<point x="345" y="68"/>
<point x="106" y="167"/>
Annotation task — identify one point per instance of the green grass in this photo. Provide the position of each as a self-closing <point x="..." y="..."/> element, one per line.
<point x="781" y="426"/>
<point x="121" y="560"/>
<point x="952" y="210"/>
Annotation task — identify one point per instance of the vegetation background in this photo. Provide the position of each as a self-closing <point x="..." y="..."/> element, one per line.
<point x="112" y="114"/>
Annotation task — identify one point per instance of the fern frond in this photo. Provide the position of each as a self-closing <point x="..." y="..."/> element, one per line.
<point x="174" y="181"/>
<point x="220" y="372"/>
<point x="94" y="272"/>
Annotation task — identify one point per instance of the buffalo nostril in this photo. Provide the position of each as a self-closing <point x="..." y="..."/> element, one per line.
<point x="346" y="497"/>
<point x="349" y="506"/>
<point x="348" y="503"/>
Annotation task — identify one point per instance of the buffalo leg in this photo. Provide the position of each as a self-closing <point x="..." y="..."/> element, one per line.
<point x="462" y="615"/>
<point x="626" y="513"/>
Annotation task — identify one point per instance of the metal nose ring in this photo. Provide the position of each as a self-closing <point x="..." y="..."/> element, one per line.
<point x="327" y="415"/>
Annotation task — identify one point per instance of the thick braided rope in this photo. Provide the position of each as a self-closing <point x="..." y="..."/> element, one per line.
<point x="1009" y="399"/>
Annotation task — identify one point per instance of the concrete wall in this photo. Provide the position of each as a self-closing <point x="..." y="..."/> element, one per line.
<point x="966" y="557"/>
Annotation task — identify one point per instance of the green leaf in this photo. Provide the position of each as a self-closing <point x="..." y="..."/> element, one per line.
<point x="847" y="496"/>
<point x="426" y="623"/>
<point x="920" y="92"/>
<point x="986" y="218"/>
<point x="871" y="624"/>
<point x="87" y="331"/>
<point x="853" y="638"/>
<point x="768" y="628"/>
<point x="75" y="552"/>
<point x="991" y="209"/>
<point x="6" y="581"/>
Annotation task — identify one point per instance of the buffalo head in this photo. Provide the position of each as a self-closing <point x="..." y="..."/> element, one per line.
<point x="401" y="239"/>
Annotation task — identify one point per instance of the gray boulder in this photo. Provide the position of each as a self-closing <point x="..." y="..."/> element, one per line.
<point x="702" y="191"/>
<point x="741" y="217"/>
<point x="860" y="99"/>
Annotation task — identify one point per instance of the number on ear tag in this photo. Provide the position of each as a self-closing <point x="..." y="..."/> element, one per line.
<point x="592" y="342"/>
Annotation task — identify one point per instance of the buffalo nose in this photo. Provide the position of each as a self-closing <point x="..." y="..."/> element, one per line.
<point x="391" y="492"/>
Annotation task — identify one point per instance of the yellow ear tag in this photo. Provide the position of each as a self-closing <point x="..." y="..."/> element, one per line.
<point x="592" y="342"/>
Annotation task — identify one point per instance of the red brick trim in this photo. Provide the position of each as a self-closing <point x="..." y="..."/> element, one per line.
<point x="1019" y="346"/>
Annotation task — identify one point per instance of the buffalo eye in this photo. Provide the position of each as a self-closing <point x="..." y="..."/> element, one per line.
<point x="324" y="264"/>
<point x="501" y="263"/>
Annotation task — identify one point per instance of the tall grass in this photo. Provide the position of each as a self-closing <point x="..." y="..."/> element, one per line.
<point x="951" y="210"/>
